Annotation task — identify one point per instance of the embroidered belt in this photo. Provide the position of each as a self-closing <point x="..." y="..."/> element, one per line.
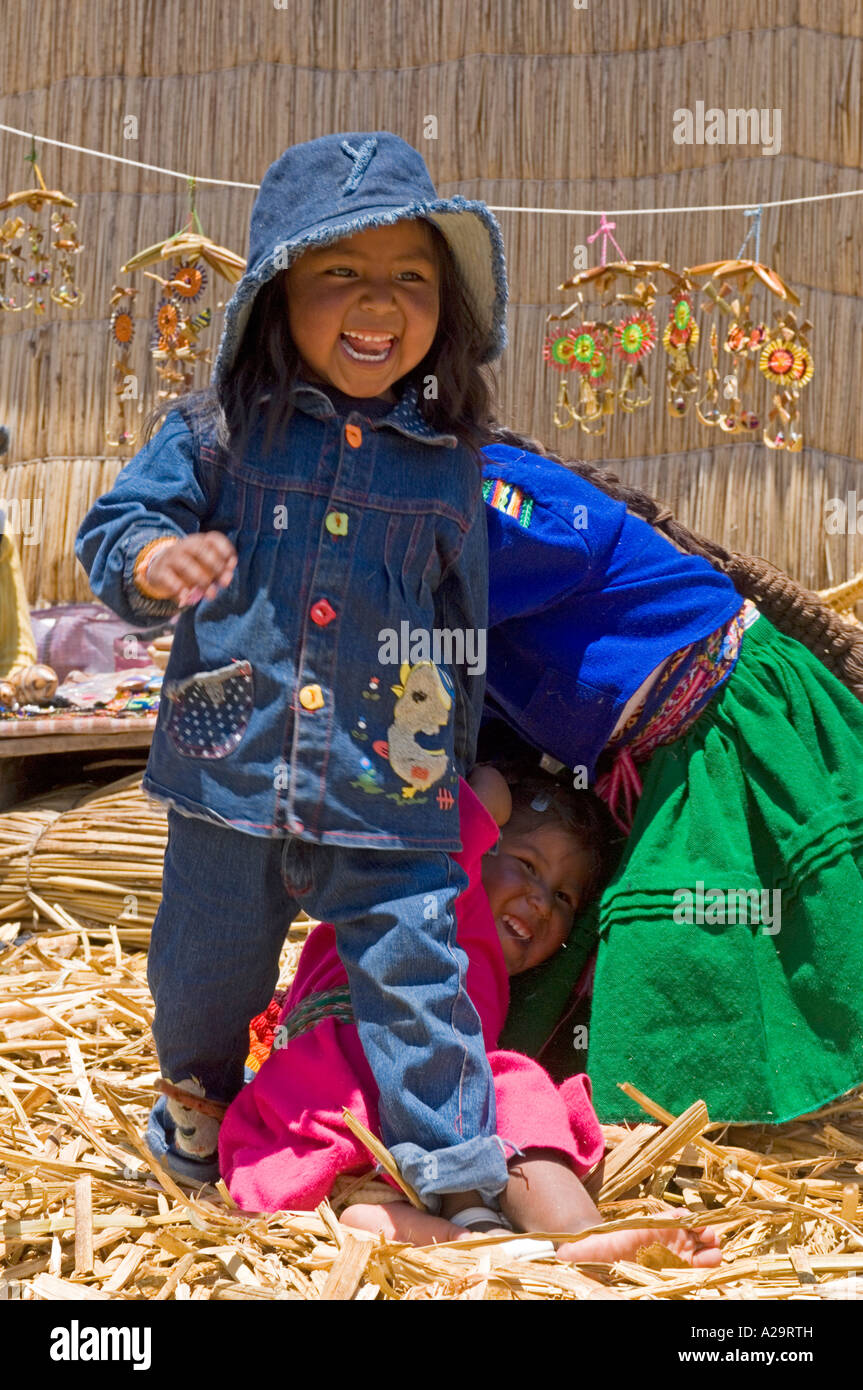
<point x="326" y="1003"/>
<point x="264" y="1029"/>
<point x="689" y="681"/>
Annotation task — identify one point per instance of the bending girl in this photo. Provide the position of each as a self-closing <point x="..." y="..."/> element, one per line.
<point x="730" y="947"/>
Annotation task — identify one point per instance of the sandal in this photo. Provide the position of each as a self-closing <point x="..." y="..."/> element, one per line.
<point x="524" y="1248"/>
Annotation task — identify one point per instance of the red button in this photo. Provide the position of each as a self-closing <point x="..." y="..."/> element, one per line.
<point x="322" y="612"/>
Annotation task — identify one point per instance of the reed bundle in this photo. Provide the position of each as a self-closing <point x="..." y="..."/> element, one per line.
<point x="536" y="106"/>
<point x="96" y="855"/>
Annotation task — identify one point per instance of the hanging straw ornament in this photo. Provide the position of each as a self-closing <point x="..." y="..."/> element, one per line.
<point x="42" y="270"/>
<point x="122" y="335"/>
<point x="787" y="363"/>
<point x="179" y="319"/>
<point x="746" y="340"/>
<point x="780" y="353"/>
<point x="596" y="394"/>
<point x="679" y="340"/>
<point x="11" y="263"/>
<point x="708" y="408"/>
<point x="606" y="345"/>
<point x="558" y="351"/>
<point x="586" y="350"/>
<point x="634" y="339"/>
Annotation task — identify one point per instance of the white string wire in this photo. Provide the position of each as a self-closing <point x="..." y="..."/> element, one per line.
<point x="656" y="212"/>
<point x="549" y="212"/>
<point x="118" y="159"/>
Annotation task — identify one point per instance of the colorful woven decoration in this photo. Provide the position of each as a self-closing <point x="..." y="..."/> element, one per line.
<point x="679" y="339"/>
<point x="179" y="319"/>
<point x="29" y="279"/>
<point x="262" y="1031"/>
<point x="604" y="356"/>
<point x="635" y="337"/>
<point x="122" y="335"/>
<point x="560" y="351"/>
<point x="778" y="353"/>
<point x="607" y="350"/>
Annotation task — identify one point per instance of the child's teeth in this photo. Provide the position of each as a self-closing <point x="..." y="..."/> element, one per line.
<point x="517" y="927"/>
<point x="372" y="349"/>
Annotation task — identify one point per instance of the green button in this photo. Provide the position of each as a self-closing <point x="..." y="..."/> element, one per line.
<point x="337" y="523"/>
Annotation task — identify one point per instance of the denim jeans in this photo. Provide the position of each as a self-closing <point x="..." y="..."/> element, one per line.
<point x="228" y="900"/>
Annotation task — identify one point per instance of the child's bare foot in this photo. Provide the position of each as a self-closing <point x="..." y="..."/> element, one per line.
<point x="699" y="1248"/>
<point x="400" y="1221"/>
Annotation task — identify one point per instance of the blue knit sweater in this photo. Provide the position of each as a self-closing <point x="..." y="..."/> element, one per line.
<point x="585" y="601"/>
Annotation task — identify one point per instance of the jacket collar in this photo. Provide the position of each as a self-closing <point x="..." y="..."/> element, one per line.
<point x="404" y="416"/>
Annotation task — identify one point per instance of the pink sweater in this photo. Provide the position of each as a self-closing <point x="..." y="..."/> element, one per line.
<point x="283" y="1141"/>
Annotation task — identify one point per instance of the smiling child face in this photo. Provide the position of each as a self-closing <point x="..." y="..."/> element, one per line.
<point x="381" y="285"/>
<point x="534" y="885"/>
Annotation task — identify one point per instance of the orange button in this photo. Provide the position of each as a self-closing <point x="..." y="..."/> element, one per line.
<point x="322" y="612"/>
<point x="336" y="523"/>
<point x="311" y="697"/>
<point x="354" y="435"/>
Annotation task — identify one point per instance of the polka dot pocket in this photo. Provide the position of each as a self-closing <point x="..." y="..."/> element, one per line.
<point x="208" y="713"/>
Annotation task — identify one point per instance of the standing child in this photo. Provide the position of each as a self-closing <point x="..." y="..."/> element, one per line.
<point x="730" y="938"/>
<point x="313" y="725"/>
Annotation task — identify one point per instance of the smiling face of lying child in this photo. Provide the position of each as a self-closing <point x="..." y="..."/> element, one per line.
<point x="548" y="865"/>
<point x="534" y="886"/>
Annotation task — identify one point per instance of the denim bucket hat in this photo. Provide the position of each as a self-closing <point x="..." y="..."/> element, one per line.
<point x="336" y="185"/>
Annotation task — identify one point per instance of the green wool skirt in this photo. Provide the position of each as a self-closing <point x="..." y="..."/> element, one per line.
<point x="729" y="962"/>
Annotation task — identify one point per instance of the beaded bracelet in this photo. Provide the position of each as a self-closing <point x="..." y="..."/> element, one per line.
<point x="142" y="563"/>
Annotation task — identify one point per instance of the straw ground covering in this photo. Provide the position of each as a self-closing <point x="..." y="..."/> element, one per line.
<point x="87" y="1213"/>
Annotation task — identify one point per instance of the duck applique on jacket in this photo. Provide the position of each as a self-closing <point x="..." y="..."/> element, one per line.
<point x="422" y="706"/>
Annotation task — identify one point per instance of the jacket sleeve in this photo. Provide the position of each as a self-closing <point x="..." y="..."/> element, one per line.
<point x="547" y="528"/>
<point x="462" y="606"/>
<point x="158" y="493"/>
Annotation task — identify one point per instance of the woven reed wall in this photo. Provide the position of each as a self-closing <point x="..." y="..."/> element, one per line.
<point x="538" y="104"/>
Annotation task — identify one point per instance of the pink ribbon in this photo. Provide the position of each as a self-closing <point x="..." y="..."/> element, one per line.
<point x="622" y="781"/>
<point x="604" y="230"/>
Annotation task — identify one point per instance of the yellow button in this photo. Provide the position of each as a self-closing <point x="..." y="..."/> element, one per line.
<point x="336" y="523"/>
<point x="354" y="435"/>
<point x="311" y="697"/>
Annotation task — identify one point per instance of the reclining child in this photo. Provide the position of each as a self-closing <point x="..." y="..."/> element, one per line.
<point x="535" y="852"/>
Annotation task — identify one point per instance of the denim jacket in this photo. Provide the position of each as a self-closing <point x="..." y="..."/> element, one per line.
<point x="332" y="690"/>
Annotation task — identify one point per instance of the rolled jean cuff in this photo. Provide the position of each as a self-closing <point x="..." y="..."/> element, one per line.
<point x="516" y="1152"/>
<point x="476" y="1165"/>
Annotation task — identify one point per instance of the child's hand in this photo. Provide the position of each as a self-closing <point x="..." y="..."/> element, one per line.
<point x="193" y="568"/>
<point x="491" y="788"/>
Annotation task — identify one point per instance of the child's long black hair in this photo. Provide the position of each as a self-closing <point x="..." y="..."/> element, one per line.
<point x="796" y="611"/>
<point x="580" y="812"/>
<point x="267" y="364"/>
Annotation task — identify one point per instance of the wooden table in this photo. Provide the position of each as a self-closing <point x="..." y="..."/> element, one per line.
<point x="24" y="770"/>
